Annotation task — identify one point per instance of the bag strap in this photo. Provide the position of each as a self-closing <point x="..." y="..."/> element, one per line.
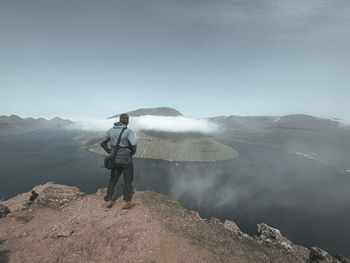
<point x="117" y="145"/>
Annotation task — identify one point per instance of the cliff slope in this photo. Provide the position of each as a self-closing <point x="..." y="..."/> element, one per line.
<point x="66" y="225"/>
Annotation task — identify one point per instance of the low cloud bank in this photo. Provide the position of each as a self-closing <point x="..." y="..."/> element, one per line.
<point x="154" y="123"/>
<point x="344" y="123"/>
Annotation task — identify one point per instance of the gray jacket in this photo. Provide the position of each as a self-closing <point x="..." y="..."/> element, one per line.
<point x="127" y="140"/>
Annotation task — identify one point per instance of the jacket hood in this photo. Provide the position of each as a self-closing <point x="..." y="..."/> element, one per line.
<point x="119" y="125"/>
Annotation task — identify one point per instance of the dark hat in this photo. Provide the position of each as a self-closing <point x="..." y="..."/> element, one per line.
<point x="124" y="118"/>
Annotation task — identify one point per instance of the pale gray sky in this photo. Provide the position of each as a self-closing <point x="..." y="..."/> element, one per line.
<point x="87" y="59"/>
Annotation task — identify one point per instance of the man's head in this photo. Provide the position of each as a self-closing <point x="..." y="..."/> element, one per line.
<point x="124" y="118"/>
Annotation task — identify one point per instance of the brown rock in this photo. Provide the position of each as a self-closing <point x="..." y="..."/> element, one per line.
<point x="230" y="225"/>
<point x="4" y="210"/>
<point x="318" y="255"/>
<point x="65" y="233"/>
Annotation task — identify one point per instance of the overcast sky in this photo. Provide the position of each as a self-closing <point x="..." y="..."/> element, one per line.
<point x="82" y="59"/>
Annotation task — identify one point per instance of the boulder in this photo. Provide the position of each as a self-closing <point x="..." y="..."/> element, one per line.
<point x="318" y="255"/>
<point x="230" y="225"/>
<point x="4" y="210"/>
<point x="273" y="236"/>
<point x="342" y="259"/>
<point x="56" y="195"/>
<point x="266" y="232"/>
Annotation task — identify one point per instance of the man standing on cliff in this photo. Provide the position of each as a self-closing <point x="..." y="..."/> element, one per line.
<point x="123" y="160"/>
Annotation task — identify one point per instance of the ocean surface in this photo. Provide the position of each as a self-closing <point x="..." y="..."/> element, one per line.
<point x="309" y="202"/>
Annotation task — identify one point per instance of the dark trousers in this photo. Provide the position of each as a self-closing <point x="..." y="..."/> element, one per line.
<point x="128" y="172"/>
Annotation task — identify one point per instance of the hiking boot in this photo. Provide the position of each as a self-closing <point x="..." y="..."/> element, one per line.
<point x="127" y="204"/>
<point x="106" y="198"/>
<point x="108" y="204"/>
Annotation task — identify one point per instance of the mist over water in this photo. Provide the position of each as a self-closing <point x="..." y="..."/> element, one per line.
<point x="179" y="124"/>
<point x="307" y="200"/>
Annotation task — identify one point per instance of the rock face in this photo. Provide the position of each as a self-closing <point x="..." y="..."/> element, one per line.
<point x="270" y="235"/>
<point x="230" y="225"/>
<point x="66" y="225"/>
<point x="49" y="195"/>
<point x="55" y="195"/>
<point x="318" y="255"/>
<point x="14" y="125"/>
<point x="342" y="259"/>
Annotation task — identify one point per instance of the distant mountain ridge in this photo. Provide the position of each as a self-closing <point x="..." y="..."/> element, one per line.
<point x="296" y="133"/>
<point x="321" y="139"/>
<point x="290" y="121"/>
<point x="160" y="111"/>
<point x="15" y="125"/>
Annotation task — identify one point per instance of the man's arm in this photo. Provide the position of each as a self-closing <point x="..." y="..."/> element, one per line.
<point x="132" y="142"/>
<point x="104" y="142"/>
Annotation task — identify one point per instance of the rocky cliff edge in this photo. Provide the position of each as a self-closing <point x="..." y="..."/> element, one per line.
<point x="65" y="225"/>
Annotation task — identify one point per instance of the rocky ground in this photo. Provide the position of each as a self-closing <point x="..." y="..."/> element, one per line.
<point x="65" y="225"/>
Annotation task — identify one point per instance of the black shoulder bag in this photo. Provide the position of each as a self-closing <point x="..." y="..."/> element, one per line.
<point x="109" y="159"/>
